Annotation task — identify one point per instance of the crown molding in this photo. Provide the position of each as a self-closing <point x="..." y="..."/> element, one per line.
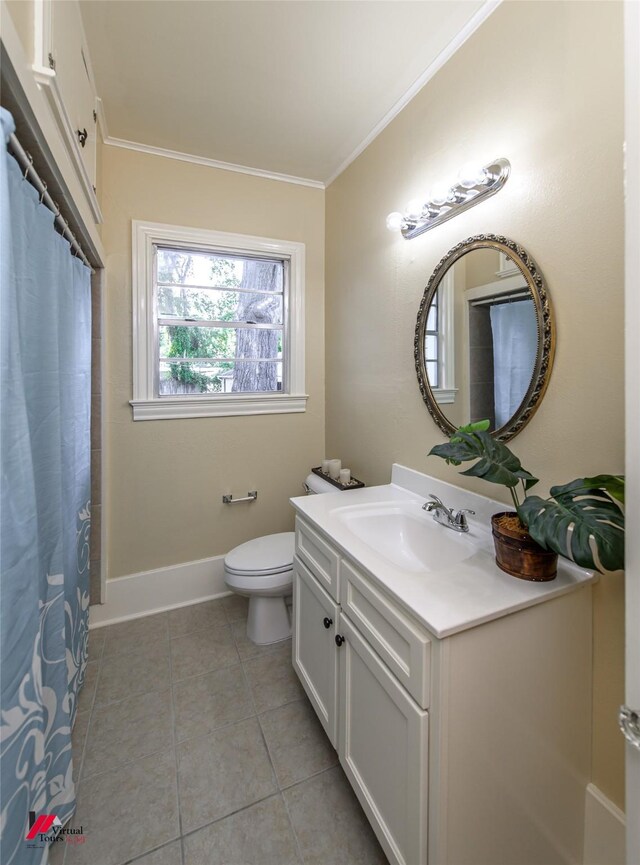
<point x="211" y="163"/>
<point x="459" y="39"/>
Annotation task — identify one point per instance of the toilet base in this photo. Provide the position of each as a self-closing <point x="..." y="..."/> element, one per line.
<point x="269" y="620"/>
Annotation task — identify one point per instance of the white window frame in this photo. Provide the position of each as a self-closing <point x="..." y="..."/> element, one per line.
<point x="146" y="403"/>
<point x="447" y="390"/>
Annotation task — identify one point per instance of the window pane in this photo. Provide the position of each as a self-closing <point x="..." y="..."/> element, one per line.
<point x="432" y="372"/>
<point x="431" y="347"/>
<point x="219" y="305"/>
<point x="188" y="267"/>
<point x="186" y="342"/>
<point x="193" y="377"/>
<point x="432" y="318"/>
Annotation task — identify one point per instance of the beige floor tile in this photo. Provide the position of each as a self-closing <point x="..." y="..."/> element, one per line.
<point x="223" y="772"/>
<point x="197" y="617"/>
<point x="97" y="637"/>
<point x="127" y="637"/>
<point x="273" y="680"/>
<point x="88" y="690"/>
<point x="330" y="824"/>
<point x="124" y="676"/>
<point x="236" y="607"/>
<point x="78" y="738"/>
<point x="297" y="743"/>
<point x="202" y="652"/>
<point x="260" y="835"/>
<point x="204" y="703"/>
<point x="170" y="854"/>
<point x="122" y="732"/>
<point x="247" y="649"/>
<point x="127" y="812"/>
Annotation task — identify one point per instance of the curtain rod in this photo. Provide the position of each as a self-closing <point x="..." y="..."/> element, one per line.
<point x="25" y="161"/>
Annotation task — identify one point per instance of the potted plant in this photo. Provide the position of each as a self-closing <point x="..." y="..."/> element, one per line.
<point x="582" y="520"/>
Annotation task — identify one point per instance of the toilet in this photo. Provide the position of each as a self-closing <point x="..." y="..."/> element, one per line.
<point x="262" y="570"/>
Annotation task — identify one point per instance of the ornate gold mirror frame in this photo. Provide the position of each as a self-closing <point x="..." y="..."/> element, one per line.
<point x="545" y="325"/>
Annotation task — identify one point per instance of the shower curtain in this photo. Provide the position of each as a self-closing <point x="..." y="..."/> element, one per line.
<point x="515" y="346"/>
<point x="45" y="364"/>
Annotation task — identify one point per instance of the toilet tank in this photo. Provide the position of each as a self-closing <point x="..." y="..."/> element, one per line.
<point x="313" y="485"/>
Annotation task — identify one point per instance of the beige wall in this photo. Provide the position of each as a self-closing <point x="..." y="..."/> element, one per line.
<point x="525" y="86"/>
<point x="166" y="478"/>
<point x="22" y="12"/>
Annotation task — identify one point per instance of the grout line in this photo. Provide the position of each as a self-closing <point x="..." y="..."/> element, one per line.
<point x="149" y="852"/>
<point x="175" y="746"/>
<point x="230" y="814"/>
<point x="293" y="829"/>
<point x="304" y="780"/>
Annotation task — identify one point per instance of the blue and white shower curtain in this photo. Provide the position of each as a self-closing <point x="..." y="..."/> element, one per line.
<point x="45" y="364"/>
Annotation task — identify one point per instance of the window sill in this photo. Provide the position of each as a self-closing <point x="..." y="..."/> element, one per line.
<point x="445" y="396"/>
<point x="169" y="408"/>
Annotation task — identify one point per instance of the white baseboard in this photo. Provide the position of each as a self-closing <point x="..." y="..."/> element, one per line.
<point x="149" y="592"/>
<point x="604" y="830"/>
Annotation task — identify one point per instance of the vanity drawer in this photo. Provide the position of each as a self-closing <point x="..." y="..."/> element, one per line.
<point x="401" y="644"/>
<point x="318" y="556"/>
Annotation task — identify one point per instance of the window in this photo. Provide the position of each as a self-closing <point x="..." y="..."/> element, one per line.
<point x="218" y="323"/>
<point x="439" y="349"/>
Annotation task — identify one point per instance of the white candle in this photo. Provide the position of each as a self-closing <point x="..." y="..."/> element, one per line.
<point x="345" y="476"/>
<point x="325" y="467"/>
<point x="334" y="469"/>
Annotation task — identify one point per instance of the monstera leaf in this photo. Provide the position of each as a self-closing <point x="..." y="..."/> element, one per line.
<point x="583" y="521"/>
<point x="495" y="463"/>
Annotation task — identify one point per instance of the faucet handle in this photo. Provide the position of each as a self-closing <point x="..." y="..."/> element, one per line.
<point x="460" y="518"/>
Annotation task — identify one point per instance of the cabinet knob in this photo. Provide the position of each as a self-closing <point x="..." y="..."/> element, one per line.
<point x="82" y="136"/>
<point x="339" y="640"/>
<point x="327" y="622"/>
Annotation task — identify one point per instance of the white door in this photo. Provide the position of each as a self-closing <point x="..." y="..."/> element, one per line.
<point x="383" y="749"/>
<point x="314" y="647"/>
<point x="631" y="722"/>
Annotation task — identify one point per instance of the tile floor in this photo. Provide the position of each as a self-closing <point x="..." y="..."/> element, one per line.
<point x="192" y="746"/>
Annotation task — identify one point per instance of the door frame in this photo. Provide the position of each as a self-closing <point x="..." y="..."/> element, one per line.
<point x="632" y="422"/>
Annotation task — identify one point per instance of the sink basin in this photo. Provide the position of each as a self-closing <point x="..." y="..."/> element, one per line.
<point x="407" y="536"/>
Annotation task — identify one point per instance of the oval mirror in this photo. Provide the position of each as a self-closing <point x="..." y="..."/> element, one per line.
<point x="485" y="337"/>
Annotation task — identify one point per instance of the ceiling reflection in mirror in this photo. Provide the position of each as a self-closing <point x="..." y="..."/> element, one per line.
<point x="484" y="338"/>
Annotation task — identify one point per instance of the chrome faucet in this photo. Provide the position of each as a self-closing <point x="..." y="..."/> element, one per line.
<point x="445" y="516"/>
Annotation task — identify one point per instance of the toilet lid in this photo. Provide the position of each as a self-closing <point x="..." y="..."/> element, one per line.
<point x="267" y="555"/>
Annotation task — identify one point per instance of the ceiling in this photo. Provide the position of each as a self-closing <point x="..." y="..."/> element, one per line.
<point x="293" y="88"/>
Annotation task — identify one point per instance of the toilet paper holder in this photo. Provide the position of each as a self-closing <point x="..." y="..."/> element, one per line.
<point x="250" y="497"/>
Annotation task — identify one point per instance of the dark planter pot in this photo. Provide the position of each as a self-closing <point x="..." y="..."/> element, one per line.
<point x="518" y="554"/>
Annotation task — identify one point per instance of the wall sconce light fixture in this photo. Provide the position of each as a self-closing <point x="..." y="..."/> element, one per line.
<point x="474" y="184"/>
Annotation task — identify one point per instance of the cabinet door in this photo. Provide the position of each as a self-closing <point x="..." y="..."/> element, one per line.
<point x="314" y="649"/>
<point x="62" y="68"/>
<point x="70" y="53"/>
<point x="383" y="749"/>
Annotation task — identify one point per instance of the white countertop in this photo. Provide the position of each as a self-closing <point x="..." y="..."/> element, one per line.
<point x="451" y="599"/>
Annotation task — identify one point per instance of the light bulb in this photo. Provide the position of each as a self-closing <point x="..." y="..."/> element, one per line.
<point x="413" y="209"/>
<point x="440" y="194"/>
<point x="471" y="174"/>
<point x="395" y="221"/>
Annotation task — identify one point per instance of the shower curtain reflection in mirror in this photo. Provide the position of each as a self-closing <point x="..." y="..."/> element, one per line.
<point x="515" y="345"/>
<point x="45" y="346"/>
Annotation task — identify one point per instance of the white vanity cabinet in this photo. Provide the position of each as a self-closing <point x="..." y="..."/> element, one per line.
<point x="62" y="69"/>
<point x="467" y="749"/>
<point x="375" y="724"/>
<point x="315" y="617"/>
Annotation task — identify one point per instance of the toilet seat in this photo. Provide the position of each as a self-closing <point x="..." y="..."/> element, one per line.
<point x="262" y="557"/>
